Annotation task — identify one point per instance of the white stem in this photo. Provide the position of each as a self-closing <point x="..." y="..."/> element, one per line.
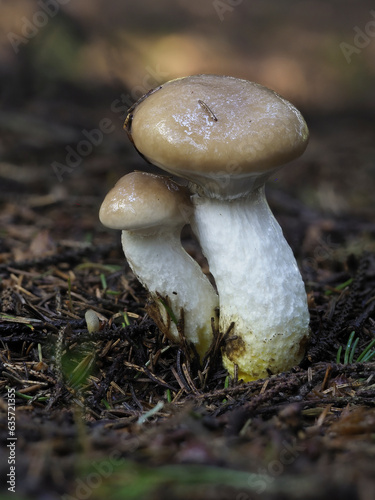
<point x="258" y="281"/>
<point x="163" y="267"/>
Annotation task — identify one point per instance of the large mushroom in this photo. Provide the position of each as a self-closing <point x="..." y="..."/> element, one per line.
<point x="151" y="211"/>
<point x="226" y="136"/>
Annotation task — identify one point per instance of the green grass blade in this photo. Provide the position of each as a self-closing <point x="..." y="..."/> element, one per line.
<point x="368" y="356"/>
<point x="352" y="350"/>
<point x="365" y="351"/>
<point x="347" y="348"/>
<point x="169" y="311"/>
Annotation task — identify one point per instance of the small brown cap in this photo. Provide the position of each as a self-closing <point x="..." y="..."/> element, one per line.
<point x="140" y="200"/>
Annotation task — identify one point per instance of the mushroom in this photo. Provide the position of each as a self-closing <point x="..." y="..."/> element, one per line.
<point x="227" y="136"/>
<point x="151" y="211"/>
<point x="92" y="321"/>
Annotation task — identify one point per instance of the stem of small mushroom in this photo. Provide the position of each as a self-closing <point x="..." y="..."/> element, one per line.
<point x="258" y="281"/>
<point x="174" y="280"/>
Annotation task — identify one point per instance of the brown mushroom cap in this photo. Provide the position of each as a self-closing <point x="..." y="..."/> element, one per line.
<point x="140" y="200"/>
<point x="204" y="126"/>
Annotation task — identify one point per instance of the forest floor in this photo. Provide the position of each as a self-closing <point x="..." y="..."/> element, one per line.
<point x="123" y="412"/>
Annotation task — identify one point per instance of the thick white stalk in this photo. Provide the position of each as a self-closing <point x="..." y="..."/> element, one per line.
<point x="259" y="285"/>
<point x="164" y="268"/>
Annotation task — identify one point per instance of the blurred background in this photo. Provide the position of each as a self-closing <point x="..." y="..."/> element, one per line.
<point x="70" y="69"/>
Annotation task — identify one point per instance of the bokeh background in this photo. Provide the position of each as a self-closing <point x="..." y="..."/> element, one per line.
<point x="66" y="65"/>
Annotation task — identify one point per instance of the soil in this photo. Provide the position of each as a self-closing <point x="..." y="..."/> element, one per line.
<point x="122" y="412"/>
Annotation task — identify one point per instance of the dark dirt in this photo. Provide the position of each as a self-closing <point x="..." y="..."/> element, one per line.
<point x="123" y="412"/>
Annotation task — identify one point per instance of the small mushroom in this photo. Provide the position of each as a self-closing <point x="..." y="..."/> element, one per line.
<point x="92" y="321"/>
<point x="227" y="136"/>
<point x="151" y="212"/>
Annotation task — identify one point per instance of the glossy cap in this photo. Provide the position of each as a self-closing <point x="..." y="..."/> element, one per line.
<point x="140" y="200"/>
<point x="210" y="127"/>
